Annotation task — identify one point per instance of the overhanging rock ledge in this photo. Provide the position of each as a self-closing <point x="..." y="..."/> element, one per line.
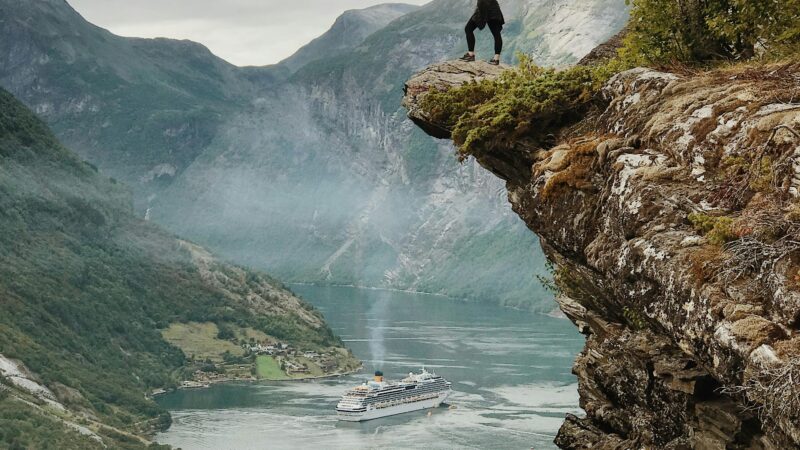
<point x="689" y="343"/>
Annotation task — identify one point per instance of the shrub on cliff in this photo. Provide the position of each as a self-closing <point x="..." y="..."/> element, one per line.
<point x="688" y="31"/>
<point x="773" y="394"/>
<point x="718" y="230"/>
<point x="530" y="102"/>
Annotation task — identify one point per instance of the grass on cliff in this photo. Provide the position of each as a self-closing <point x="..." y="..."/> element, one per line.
<point x="716" y="229"/>
<point x="23" y="427"/>
<point x="529" y="102"/>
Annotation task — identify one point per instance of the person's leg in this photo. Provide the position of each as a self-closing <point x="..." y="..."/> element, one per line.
<point x="470" y="30"/>
<point x="497" y="28"/>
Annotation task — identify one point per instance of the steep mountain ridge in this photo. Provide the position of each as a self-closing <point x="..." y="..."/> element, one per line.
<point x="347" y="32"/>
<point x="671" y="213"/>
<point x="313" y="176"/>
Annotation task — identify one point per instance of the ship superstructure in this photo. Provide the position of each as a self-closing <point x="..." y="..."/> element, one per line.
<point x="381" y="398"/>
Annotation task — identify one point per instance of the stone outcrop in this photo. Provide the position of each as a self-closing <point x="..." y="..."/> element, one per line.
<point x="605" y="51"/>
<point x="511" y="166"/>
<point x="672" y="216"/>
<point x="443" y="77"/>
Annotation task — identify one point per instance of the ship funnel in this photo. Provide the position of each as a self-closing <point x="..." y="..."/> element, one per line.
<point x="378" y="376"/>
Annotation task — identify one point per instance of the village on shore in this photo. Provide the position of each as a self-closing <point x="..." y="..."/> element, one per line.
<point x="218" y="354"/>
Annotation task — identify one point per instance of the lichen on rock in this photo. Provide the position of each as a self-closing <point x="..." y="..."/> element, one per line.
<point x="672" y="206"/>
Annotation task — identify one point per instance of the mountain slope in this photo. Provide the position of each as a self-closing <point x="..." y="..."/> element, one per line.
<point x="372" y="196"/>
<point x="86" y="289"/>
<point x="314" y="176"/>
<point x="141" y="109"/>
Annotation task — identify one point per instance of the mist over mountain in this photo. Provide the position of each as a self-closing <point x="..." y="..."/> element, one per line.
<point x="307" y="169"/>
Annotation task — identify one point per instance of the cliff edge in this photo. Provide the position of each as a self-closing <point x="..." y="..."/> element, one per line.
<point x="671" y="211"/>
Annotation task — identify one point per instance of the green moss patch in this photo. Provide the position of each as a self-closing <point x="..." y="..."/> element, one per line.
<point x="718" y="230"/>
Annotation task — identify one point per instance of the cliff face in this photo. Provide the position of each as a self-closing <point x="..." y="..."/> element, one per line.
<point x="672" y="215"/>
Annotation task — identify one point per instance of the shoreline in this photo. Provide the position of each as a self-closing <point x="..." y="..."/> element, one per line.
<point x="376" y="288"/>
<point x="431" y="294"/>
<point x="208" y="384"/>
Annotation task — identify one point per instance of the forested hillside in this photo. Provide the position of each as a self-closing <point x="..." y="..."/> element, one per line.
<point x="86" y="288"/>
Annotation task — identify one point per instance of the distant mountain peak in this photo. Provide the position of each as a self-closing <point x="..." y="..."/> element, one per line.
<point x="348" y="32"/>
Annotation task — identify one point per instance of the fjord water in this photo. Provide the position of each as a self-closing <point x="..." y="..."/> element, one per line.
<point x="510" y="372"/>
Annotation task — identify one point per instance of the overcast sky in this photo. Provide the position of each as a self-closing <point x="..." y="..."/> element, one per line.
<point x="244" y="32"/>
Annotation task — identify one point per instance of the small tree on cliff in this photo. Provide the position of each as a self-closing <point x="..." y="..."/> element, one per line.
<point x="666" y="31"/>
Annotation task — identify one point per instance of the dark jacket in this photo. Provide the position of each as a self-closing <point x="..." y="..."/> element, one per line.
<point x="487" y="11"/>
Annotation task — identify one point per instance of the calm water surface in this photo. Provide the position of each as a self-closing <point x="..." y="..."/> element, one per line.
<point x="510" y="372"/>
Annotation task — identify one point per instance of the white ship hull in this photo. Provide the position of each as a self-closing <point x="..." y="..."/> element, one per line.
<point x="377" y="413"/>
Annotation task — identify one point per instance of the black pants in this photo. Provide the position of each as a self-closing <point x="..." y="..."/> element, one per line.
<point x="494" y="26"/>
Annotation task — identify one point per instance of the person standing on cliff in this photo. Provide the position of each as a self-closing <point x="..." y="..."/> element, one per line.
<point x="486" y="13"/>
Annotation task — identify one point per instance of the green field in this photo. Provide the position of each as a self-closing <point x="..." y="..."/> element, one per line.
<point x="268" y="368"/>
<point x="200" y="340"/>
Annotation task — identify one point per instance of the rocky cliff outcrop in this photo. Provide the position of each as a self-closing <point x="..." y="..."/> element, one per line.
<point x="672" y="215"/>
<point x="442" y="77"/>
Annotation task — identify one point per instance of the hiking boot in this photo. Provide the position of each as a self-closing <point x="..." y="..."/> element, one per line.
<point x="494" y="62"/>
<point x="467" y="57"/>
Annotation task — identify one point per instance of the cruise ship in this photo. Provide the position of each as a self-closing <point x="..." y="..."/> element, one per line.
<point x="380" y="398"/>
